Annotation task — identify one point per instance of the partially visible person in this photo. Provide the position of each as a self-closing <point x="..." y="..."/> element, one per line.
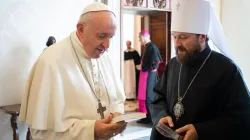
<point x="132" y="61"/>
<point x="151" y="59"/>
<point x="202" y="94"/>
<point x="51" y="40"/>
<point x="73" y="91"/>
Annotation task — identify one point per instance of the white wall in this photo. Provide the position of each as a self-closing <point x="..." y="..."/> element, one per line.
<point x="128" y="29"/>
<point x="131" y="30"/>
<point x="115" y="45"/>
<point x="24" y="28"/>
<point x="236" y="24"/>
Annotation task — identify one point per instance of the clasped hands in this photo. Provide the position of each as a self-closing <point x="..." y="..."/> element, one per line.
<point x="189" y="130"/>
<point x="106" y="130"/>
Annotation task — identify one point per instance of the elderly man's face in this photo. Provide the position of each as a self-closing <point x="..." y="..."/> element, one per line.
<point x="97" y="32"/>
<point x="186" y="45"/>
<point x="141" y="39"/>
<point x="128" y="43"/>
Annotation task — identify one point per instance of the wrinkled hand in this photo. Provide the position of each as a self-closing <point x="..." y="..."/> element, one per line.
<point x="118" y="114"/>
<point x="105" y="130"/>
<point x="167" y="120"/>
<point x="191" y="133"/>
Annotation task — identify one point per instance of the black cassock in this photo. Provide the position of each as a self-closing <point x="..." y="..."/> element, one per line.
<point x="217" y="102"/>
<point x="151" y="59"/>
<point x="150" y="62"/>
<point x="134" y="55"/>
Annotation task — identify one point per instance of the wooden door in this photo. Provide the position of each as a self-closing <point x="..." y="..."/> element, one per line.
<point x="160" y="36"/>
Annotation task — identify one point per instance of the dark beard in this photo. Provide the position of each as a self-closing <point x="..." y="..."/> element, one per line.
<point x="187" y="57"/>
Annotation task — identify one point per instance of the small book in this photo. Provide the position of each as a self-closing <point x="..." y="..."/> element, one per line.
<point x="167" y="131"/>
<point x="129" y="117"/>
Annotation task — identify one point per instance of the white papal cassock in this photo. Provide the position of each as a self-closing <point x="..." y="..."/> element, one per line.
<point x="60" y="101"/>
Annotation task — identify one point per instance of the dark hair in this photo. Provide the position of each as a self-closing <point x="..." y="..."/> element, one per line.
<point x="129" y="41"/>
<point x="207" y="39"/>
<point x="51" y="41"/>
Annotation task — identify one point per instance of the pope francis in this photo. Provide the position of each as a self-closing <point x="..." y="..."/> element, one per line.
<point x="72" y="92"/>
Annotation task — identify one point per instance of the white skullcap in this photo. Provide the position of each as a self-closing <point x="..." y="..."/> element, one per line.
<point x="96" y="7"/>
<point x="198" y="17"/>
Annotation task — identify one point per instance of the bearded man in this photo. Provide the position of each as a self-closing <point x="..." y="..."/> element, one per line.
<point x="202" y="94"/>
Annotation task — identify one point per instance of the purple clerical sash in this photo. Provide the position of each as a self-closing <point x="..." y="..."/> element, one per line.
<point x="142" y="91"/>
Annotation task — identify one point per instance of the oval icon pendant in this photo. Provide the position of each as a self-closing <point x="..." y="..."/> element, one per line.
<point x="178" y="110"/>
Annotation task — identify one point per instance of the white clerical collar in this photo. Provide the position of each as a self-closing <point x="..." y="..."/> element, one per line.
<point x="130" y="50"/>
<point x="78" y="46"/>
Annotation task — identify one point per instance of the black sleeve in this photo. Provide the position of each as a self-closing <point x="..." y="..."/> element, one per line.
<point x="125" y="56"/>
<point x="159" y="105"/>
<point x="234" y="121"/>
<point x="137" y="58"/>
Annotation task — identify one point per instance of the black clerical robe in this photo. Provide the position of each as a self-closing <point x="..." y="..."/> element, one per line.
<point x="148" y="75"/>
<point x="217" y="103"/>
<point x="132" y="55"/>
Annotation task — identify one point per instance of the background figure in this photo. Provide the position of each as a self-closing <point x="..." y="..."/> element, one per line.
<point x="148" y="75"/>
<point x="51" y="40"/>
<point x="131" y="71"/>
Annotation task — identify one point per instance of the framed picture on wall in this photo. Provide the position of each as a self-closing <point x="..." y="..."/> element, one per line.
<point x="136" y="3"/>
<point x="160" y="4"/>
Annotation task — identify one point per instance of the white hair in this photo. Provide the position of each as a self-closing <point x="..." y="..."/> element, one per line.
<point x="84" y="18"/>
<point x="147" y="37"/>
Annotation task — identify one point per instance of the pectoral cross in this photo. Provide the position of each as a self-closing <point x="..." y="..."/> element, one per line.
<point x="101" y="109"/>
